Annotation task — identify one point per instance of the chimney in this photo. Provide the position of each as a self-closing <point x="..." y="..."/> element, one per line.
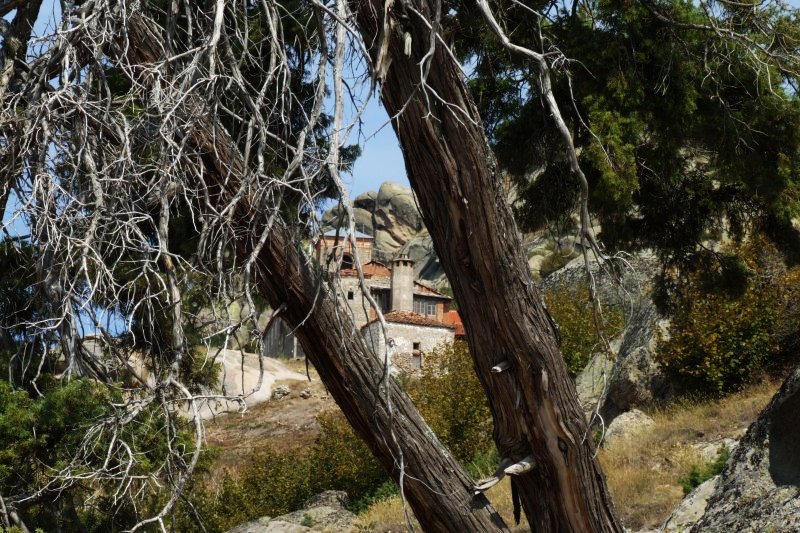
<point x="403" y="284"/>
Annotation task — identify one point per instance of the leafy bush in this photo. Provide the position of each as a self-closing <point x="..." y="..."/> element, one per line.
<point x="572" y="310"/>
<point x="452" y="401"/>
<point x="699" y="475"/>
<point x="275" y="482"/>
<point x="718" y="342"/>
<point x="719" y="339"/>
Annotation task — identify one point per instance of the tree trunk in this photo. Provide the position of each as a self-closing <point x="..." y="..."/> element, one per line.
<point x="437" y="487"/>
<point x="459" y="188"/>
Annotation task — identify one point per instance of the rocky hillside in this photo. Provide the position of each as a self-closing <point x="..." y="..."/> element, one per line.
<point x="392" y="216"/>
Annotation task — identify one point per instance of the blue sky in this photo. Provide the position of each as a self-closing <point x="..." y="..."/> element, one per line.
<point x="381" y="159"/>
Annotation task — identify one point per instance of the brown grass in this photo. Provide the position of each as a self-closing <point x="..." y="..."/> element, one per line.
<point x="642" y="471"/>
<point x="387" y="515"/>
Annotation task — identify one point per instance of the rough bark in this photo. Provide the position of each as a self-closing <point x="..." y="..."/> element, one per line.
<point x="459" y="188"/>
<point x="437" y="487"/>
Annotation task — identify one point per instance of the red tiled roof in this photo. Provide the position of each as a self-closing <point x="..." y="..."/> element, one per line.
<point x="452" y="317"/>
<point x="414" y="319"/>
<point x="371" y="269"/>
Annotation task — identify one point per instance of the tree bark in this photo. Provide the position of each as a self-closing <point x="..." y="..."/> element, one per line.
<point x="459" y="188"/>
<point x="437" y="487"/>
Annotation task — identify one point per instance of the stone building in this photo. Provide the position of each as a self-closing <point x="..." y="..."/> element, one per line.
<point x="412" y="335"/>
<point x="418" y="317"/>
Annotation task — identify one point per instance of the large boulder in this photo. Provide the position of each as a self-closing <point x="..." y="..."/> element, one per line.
<point x="628" y="424"/>
<point x="324" y="512"/>
<point x="397" y="219"/>
<point x="391" y="216"/>
<point x="636" y="378"/>
<point x="689" y="511"/>
<point x="759" y="488"/>
<point x="590" y="384"/>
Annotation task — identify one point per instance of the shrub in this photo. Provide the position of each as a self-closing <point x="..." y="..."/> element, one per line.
<point x="699" y="475"/>
<point x="720" y="340"/>
<point x="717" y="342"/>
<point x="452" y="401"/>
<point x="572" y="310"/>
<point x="275" y="482"/>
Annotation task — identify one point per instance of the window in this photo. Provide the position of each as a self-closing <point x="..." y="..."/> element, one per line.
<point x="347" y="261"/>
<point x="382" y="299"/>
<point x="424" y="306"/>
<point x="350" y="295"/>
<point x="416" y="346"/>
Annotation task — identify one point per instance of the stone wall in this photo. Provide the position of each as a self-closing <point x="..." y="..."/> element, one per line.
<point x="411" y="343"/>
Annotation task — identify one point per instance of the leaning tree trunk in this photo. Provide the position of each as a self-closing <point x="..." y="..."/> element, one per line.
<point x="453" y="172"/>
<point x="437" y="487"/>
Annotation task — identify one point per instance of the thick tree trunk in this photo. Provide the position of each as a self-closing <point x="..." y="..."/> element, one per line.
<point x="437" y="487"/>
<point x="453" y="172"/>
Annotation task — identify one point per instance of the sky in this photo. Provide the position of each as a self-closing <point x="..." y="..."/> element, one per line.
<point x="381" y="159"/>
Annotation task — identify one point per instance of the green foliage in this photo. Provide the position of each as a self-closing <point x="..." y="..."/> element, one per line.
<point x="699" y="475"/>
<point x="275" y="482"/>
<point x="675" y="138"/>
<point x="452" y="401"/>
<point x="572" y="310"/>
<point x="724" y="330"/>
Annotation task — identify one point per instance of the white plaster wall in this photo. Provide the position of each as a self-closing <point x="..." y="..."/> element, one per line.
<point x="404" y="336"/>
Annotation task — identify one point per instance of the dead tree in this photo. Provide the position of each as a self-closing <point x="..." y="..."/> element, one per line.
<point x="436" y="486"/>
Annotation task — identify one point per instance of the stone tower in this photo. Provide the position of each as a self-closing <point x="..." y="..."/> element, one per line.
<point x="403" y="284"/>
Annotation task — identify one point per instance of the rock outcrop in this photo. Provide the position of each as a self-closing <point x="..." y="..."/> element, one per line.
<point x="636" y="378"/>
<point x="390" y="215"/>
<point x="324" y="512"/>
<point x="633" y="378"/>
<point x="628" y="424"/>
<point x="691" y="508"/>
<point x="759" y="489"/>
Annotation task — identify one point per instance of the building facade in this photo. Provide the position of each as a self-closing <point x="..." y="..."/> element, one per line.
<point x="418" y="317"/>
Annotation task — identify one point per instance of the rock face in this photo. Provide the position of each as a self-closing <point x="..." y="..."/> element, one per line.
<point x="633" y="378"/>
<point x="391" y="216"/>
<point x="691" y="508"/>
<point x="323" y="512"/>
<point x="591" y="382"/>
<point x="759" y="489"/>
<point x="636" y="378"/>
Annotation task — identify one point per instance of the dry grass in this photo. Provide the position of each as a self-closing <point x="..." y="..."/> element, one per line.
<point x="387" y="515"/>
<point x="643" y="471"/>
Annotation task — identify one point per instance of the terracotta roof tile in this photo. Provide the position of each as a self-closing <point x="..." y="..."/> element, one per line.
<point x="419" y="288"/>
<point x="414" y="319"/>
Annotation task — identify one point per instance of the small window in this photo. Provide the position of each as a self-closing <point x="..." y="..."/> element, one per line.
<point x="349" y="295"/>
<point x="416" y="346"/>
<point x="430" y="308"/>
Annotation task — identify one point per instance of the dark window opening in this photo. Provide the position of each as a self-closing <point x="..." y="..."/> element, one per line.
<point x="416" y="346"/>
<point x="349" y="295"/>
<point x="347" y="261"/>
